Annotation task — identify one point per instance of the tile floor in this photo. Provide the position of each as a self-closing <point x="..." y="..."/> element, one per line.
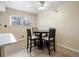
<point x="35" y="53"/>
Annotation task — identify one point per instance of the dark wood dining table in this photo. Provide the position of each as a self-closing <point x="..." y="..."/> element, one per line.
<point x="40" y="40"/>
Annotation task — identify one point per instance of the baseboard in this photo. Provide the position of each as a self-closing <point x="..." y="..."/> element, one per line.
<point x="67" y="51"/>
<point x="69" y="48"/>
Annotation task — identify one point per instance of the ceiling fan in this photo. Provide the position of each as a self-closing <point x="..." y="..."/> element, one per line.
<point x="42" y="5"/>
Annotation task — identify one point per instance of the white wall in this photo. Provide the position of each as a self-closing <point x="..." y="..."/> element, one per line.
<point x="17" y="31"/>
<point x="66" y="22"/>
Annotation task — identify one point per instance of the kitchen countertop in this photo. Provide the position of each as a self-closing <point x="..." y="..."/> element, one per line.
<point x="6" y="38"/>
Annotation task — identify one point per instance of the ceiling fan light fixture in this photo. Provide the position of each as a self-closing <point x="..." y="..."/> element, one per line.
<point x="42" y="8"/>
<point x="42" y="5"/>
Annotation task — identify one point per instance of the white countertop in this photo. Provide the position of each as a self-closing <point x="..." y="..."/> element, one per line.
<point x="6" y="38"/>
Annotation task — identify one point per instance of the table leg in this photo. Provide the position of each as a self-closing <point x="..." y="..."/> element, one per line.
<point x="41" y="41"/>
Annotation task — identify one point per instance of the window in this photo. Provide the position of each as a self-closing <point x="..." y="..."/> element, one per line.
<point x="18" y="20"/>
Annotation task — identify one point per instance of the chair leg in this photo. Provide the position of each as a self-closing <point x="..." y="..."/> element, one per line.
<point x="49" y="52"/>
<point x="27" y="43"/>
<point x="49" y="47"/>
<point x="42" y="44"/>
<point x="54" y="49"/>
<point x="30" y="50"/>
<point x="34" y="42"/>
<point x="54" y="45"/>
<point x="38" y="43"/>
<point x="30" y="45"/>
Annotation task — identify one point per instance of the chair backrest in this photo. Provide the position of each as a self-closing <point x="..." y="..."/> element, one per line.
<point x="28" y="33"/>
<point x="52" y="32"/>
<point x="34" y="29"/>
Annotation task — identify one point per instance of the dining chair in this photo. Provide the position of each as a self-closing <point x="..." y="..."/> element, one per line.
<point x="35" y="29"/>
<point x="30" y="39"/>
<point x="50" y="40"/>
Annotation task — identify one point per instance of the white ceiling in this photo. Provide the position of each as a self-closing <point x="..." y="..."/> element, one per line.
<point x="30" y="6"/>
